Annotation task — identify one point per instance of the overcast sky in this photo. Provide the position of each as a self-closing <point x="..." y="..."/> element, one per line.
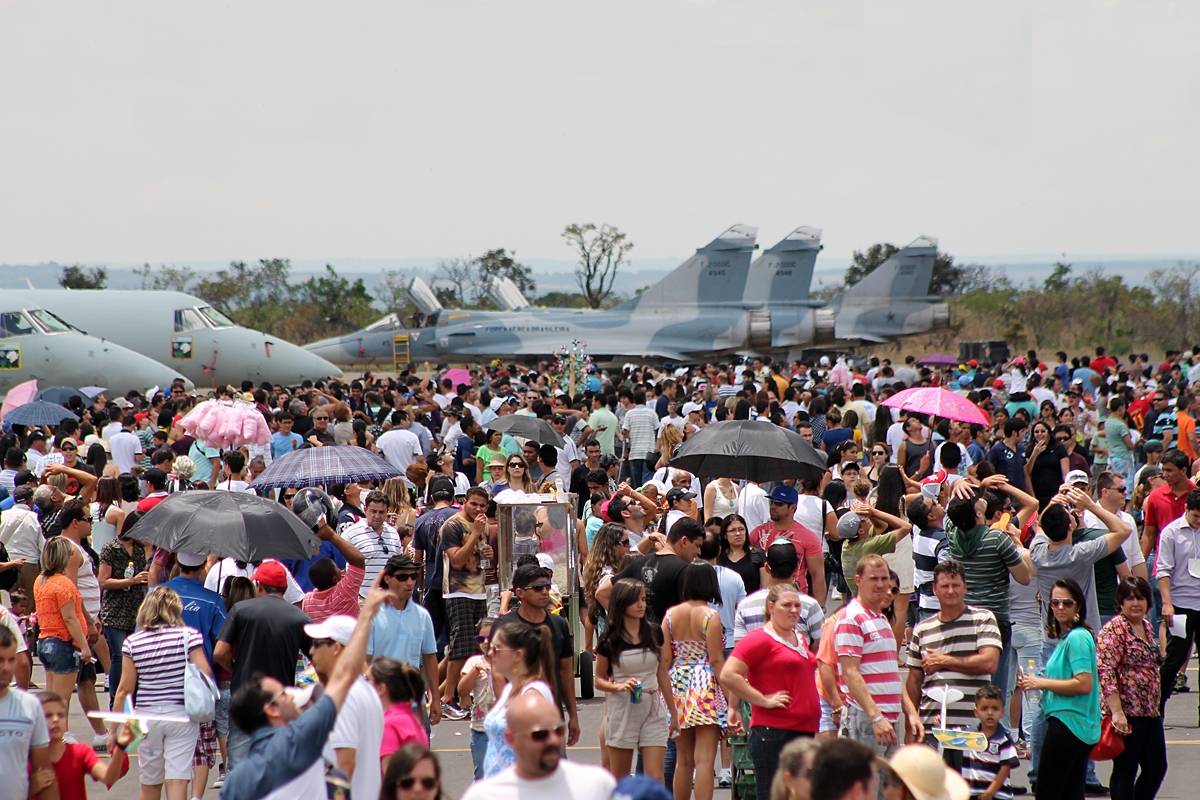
<point x="172" y="132"/>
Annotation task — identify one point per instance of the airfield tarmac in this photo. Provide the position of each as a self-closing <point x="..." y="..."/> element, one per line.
<point x="451" y="740"/>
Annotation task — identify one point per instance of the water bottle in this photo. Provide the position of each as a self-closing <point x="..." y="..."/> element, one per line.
<point x="560" y="491"/>
<point x="1031" y="670"/>
<point x="635" y="696"/>
<point x="484" y="563"/>
<point x="129" y="573"/>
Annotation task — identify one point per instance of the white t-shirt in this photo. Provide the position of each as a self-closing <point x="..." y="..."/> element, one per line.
<point x="811" y="512"/>
<point x="566" y="454"/>
<point x="86" y="582"/>
<point x="963" y="465"/>
<point x="226" y="567"/>
<point x="234" y="486"/>
<point x="895" y="435"/>
<point x="308" y="785"/>
<point x="23" y="726"/>
<point x="360" y="727"/>
<point x="1131" y="546"/>
<point x="125" y="447"/>
<point x="752" y="506"/>
<point x="571" y="781"/>
<point x="9" y="621"/>
<point x="400" y="448"/>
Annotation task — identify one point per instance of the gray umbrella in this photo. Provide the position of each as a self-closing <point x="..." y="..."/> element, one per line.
<point x="532" y="428"/>
<point x="749" y="450"/>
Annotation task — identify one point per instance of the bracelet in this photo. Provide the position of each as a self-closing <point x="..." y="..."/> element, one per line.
<point x="877" y="719"/>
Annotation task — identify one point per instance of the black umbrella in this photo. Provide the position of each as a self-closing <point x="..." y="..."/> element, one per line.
<point x="227" y="525"/>
<point x="749" y="450"/>
<point x="61" y="395"/>
<point x="532" y="428"/>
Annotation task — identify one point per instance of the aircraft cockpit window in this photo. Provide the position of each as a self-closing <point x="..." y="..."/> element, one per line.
<point x="49" y="322"/>
<point x="15" y="323"/>
<point x="218" y="319"/>
<point x="188" y="319"/>
<point x="387" y="323"/>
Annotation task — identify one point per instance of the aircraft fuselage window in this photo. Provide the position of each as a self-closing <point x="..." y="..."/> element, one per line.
<point x="48" y="322"/>
<point x="188" y="319"/>
<point x="14" y="323"/>
<point x="217" y="319"/>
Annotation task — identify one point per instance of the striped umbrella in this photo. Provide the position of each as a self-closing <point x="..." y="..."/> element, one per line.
<point x="321" y="466"/>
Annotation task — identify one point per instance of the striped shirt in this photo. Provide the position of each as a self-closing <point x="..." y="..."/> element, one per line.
<point x="986" y="559"/>
<point x="160" y="655"/>
<point x="341" y="598"/>
<point x="376" y="549"/>
<point x="980" y="769"/>
<point x="866" y="635"/>
<point x="641" y="428"/>
<point x="752" y="615"/>
<point x="929" y="550"/>
<point x="88" y="585"/>
<point x="972" y="631"/>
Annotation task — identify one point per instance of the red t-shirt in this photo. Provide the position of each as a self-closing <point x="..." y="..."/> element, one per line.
<point x="805" y="541"/>
<point x="1103" y="363"/>
<point x="778" y="667"/>
<point x="1162" y="507"/>
<point x="74" y="768"/>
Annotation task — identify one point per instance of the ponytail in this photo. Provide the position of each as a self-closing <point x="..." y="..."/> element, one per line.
<point x="536" y="647"/>
<point x="403" y="682"/>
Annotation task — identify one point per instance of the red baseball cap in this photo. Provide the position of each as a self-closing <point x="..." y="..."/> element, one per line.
<point x="997" y="384"/>
<point x="272" y="574"/>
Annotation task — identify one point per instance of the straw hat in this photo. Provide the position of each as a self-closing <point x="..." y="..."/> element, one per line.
<point x="926" y="775"/>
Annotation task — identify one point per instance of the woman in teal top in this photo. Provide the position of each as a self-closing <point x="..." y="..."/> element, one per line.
<point x="1070" y="696"/>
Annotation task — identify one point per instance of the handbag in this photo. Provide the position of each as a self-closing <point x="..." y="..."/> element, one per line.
<point x="1111" y="743"/>
<point x="199" y="693"/>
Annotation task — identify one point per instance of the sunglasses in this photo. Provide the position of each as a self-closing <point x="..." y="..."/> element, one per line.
<point x="878" y="453"/>
<point x="516" y="465"/>
<point x="541" y="733"/>
<point x="540" y="586"/>
<point x="403" y="576"/>
<point x="1062" y="438"/>
<point x="409" y="782"/>
<point x="1118" y="489"/>
<point x="291" y="496"/>
<point x="778" y="503"/>
<point x="68" y="448"/>
<point x="1060" y="602"/>
<point x="322" y="642"/>
<point x="624" y="543"/>
<point x="320" y="419"/>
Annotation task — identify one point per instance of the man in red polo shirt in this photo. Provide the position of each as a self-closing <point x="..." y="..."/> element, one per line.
<point x="783" y="500"/>
<point x="1166" y="503"/>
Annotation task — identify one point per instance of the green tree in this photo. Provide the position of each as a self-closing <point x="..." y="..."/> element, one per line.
<point x="172" y="278"/>
<point x="460" y="275"/>
<point x="392" y="294"/>
<point x="259" y="296"/>
<point x="864" y="262"/>
<point x="1059" y="279"/>
<point x="77" y="276"/>
<point x="498" y="263"/>
<point x="330" y="302"/>
<point x="562" y="300"/>
<point x="602" y="252"/>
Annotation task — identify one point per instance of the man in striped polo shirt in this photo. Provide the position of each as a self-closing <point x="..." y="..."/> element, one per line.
<point x="868" y="671"/>
<point x="958" y="647"/>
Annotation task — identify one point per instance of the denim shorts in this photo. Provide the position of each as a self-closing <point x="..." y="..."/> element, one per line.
<point x="58" y="657"/>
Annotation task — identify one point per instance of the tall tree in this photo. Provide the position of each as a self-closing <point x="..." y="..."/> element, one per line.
<point x="602" y="252"/>
<point x="498" y="263"/>
<point x="460" y="274"/>
<point x="78" y="276"/>
<point x="864" y="262"/>
<point x="392" y="293"/>
<point x="329" y="303"/>
<point x="172" y="278"/>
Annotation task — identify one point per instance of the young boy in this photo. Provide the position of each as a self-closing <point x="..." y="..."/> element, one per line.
<point x="987" y="772"/>
<point x="72" y="761"/>
<point x="16" y="620"/>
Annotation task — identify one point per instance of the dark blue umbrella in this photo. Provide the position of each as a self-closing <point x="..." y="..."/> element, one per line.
<point x="61" y="395"/>
<point x="321" y="466"/>
<point x="38" y="413"/>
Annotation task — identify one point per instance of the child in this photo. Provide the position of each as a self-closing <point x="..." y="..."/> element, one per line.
<point x="72" y="761"/>
<point x="400" y="686"/>
<point x="987" y="772"/>
<point x="477" y="681"/>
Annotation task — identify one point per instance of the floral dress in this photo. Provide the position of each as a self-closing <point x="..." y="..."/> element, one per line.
<point x="698" y="697"/>
<point x="1129" y="666"/>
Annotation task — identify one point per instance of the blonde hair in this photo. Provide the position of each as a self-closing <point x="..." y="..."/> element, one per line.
<point x="184" y="467"/>
<point x="672" y="437"/>
<point x="162" y="608"/>
<point x="791" y="760"/>
<point x="397" y="493"/>
<point x="56" y="554"/>
<point x="775" y="592"/>
<point x="58" y="480"/>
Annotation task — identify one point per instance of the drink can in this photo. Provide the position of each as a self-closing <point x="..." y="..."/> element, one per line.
<point x="636" y="695"/>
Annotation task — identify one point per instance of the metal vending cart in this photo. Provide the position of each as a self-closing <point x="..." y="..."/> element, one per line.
<point x="548" y="526"/>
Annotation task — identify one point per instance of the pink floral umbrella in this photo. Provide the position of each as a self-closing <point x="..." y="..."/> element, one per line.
<point x="937" y="402"/>
<point x="19" y="395"/>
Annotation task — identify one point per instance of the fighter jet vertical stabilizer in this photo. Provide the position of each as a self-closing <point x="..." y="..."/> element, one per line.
<point x="894" y="299"/>
<point x="715" y="275"/>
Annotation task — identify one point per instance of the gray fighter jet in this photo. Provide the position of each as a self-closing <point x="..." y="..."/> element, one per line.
<point x="185" y="333"/>
<point x="715" y="304"/>
<point x="34" y="343"/>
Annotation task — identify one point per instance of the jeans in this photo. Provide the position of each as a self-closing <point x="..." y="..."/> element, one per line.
<point x="478" y="751"/>
<point x="237" y="745"/>
<point x="1002" y="677"/>
<point x="1027" y="644"/>
<point x="638" y="471"/>
<point x="115" y="638"/>
<point x="764" y="745"/>
<point x="668" y="765"/>
<point x="1070" y="758"/>
<point x="1040" y="723"/>
<point x="1145" y="747"/>
<point x="856" y="725"/>
<point x="1177" y="652"/>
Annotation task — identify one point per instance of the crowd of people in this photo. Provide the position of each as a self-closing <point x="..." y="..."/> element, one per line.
<point x="1041" y="564"/>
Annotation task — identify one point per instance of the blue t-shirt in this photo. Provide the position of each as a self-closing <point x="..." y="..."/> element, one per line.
<point x="403" y="635"/>
<point x="282" y="444"/>
<point x="1075" y="654"/>
<point x="464" y="450"/>
<point x="1009" y="463"/>
<point x="203" y="610"/>
<point x="200" y="455"/>
<point x="299" y="569"/>
<point x="832" y="438"/>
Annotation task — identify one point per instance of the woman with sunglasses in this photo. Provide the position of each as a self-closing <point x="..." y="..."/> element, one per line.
<point x="516" y="473"/>
<point x="632" y="670"/>
<point x="523" y="655"/>
<point x="1070" y="695"/>
<point x="413" y="774"/>
<point x="878" y="460"/>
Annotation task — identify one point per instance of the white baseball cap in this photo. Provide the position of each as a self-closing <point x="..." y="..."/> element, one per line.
<point x="339" y="628"/>
<point x="1078" y="476"/>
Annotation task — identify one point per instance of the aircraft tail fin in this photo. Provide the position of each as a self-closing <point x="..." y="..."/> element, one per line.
<point x="715" y="275"/>
<point x="906" y="275"/>
<point x="782" y="275"/>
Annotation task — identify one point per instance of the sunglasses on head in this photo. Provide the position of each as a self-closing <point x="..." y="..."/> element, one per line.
<point x="409" y="782"/>
<point x="541" y="733"/>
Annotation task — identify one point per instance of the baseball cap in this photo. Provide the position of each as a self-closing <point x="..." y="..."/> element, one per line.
<point x="926" y="775"/>
<point x="1078" y="476"/>
<point x="676" y="494"/>
<point x="1153" y="446"/>
<point x="545" y="560"/>
<point x="121" y="402"/>
<point x="440" y="483"/>
<point x="931" y="487"/>
<point x="271" y="573"/>
<point x="339" y="628"/>
<point x="997" y="384"/>
<point x="301" y="694"/>
<point x="639" y="787"/>
<point x="398" y="562"/>
<point x="972" y="363"/>
<point x="496" y="403"/>
<point x="190" y="559"/>
<point x="847" y="526"/>
<point x="690" y="407"/>
<point x="1019" y="360"/>
<point x="784" y="494"/>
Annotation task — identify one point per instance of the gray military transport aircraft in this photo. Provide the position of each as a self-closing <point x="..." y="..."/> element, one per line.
<point x="182" y="332"/>
<point x="717" y="303"/>
<point x="34" y="343"/>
